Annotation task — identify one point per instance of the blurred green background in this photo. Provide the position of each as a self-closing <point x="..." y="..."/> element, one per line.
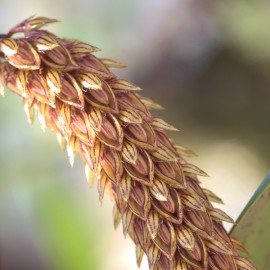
<point x="207" y="62"/>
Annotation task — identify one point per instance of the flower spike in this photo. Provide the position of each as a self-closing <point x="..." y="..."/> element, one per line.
<point x="103" y="118"/>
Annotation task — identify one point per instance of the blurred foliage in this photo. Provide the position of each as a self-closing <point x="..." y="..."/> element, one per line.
<point x="252" y="226"/>
<point x="245" y="25"/>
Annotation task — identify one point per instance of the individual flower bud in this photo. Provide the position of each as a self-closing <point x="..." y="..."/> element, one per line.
<point x="142" y="170"/>
<point x="45" y="43"/>
<point x="22" y="56"/>
<point x="103" y="98"/>
<point x="9" y="47"/>
<point x="59" y="58"/>
<point x="111" y="132"/>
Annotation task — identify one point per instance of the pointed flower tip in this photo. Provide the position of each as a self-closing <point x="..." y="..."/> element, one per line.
<point x="30" y="23"/>
<point x="2" y="92"/>
<point x="161" y="198"/>
<point x="71" y="156"/>
<point x="90" y="176"/>
<point x="112" y="63"/>
<point x="35" y="20"/>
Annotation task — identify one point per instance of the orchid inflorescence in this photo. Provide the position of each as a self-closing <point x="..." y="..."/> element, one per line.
<point x="157" y="192"/>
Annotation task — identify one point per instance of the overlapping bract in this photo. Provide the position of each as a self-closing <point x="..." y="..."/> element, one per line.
<point x="92" y="112"/>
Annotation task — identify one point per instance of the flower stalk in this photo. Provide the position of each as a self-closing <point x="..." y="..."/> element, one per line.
<point x="157" y="192"/>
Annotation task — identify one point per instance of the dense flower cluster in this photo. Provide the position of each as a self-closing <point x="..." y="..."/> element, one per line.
<point x="92" y="112"/>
